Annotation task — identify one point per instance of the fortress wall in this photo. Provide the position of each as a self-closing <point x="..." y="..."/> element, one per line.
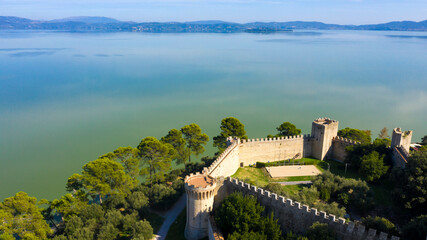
<point x="338" y="148"/>
<point x="400" y="157"/>
<point x="226" y="163"/>
<point x="296" y="217"/>
<point x="269" y="150"/>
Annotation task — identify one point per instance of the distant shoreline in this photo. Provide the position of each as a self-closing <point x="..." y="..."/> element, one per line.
<point x="103" y="24"/>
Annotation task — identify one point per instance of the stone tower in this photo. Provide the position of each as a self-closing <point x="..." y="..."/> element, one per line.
<point x="201" y="190"/>
<point x="323" y="131"/>
<point x="400" y="138"/>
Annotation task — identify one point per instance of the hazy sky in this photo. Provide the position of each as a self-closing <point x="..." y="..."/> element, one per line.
<point x="329" y="11"/>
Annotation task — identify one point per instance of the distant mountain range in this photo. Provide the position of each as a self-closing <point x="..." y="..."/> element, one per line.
<point x="110" y="24"/>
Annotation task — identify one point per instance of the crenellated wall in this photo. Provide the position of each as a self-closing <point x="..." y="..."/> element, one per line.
<point x="227" y="162"/>
<point x="296" y="217"/>
<point x="339" y="145"/>
<point x="274" y="149"/>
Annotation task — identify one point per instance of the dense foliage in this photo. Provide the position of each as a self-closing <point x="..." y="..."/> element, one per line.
<point x="21" y="216"/>
<point x="362" y="136"/>
<point x="376" y="156"/>
<point x="354" y="194"/>
<point x="372" y="166"/>
<point x="416" y="229"/>
<point x="239" y="215"/>
<point x="411" y="184"/>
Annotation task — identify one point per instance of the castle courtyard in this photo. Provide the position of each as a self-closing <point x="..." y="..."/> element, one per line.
<point x="292" y="171"/>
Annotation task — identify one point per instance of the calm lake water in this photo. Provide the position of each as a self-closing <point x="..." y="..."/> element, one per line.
<point x="67" y="98"/>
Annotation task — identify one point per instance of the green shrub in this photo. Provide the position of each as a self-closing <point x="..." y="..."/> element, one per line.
<point x="320" y="231"/>
<point x="260" y="164"/>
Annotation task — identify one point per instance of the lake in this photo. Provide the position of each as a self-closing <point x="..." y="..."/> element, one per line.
<point x="67" y="98"/>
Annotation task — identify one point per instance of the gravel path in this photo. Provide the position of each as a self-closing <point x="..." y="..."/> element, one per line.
<point x="295" y="182"/>
<point x="170" y="217"/>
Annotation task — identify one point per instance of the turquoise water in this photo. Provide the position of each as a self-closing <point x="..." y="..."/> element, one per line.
<point x="67" y="98"/>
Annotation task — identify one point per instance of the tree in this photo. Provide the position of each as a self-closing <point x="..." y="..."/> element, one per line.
<point x="129" y="158"/>
<point x="238" y="213"/>
<point x="70" y="204"/>
<point x="411" y="183"/>
<point x="424" y="140"/>
<point x="107" y="232"/>
<point x="157" y="155"/>
<point x="137" y="200"/>
<point x="21" y="216"/>
<point x="174" y="137"/>
<point x="230" y="127"/>
<point x="142" y="230"/>
<point x="416" y="229"/>
<point x="103" y="177"/>
<point x="383" y="133"/>
<point x="372" y="166"/>
<point x="195" y="139"/>
<point x="380" y="224"/>
<point x="355" y="134"/>
<point x="320" y="231"/>
<point x="287" y="129"/>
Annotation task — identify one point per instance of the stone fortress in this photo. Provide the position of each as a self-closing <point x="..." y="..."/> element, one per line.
<point x="206" y="190"/>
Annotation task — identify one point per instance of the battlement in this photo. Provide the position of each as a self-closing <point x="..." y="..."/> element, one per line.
<point x="304" y="215"/>
<point x="345" y="140"/>
<point x="305" y="136"/>
<point x="324" y="121"/>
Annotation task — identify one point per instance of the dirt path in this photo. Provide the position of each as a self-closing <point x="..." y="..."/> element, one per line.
<point x="170" y="217"/>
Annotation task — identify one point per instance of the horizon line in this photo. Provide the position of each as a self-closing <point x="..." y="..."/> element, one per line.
<point x="225" y="21"/>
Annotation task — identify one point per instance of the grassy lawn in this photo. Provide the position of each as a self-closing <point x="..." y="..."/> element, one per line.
<point x="256" y="175"/>
<point x="293" y="189"/>
<point x="155" y="220"/>
<point x="260" y="177"/>
<point x="176" y="231"/>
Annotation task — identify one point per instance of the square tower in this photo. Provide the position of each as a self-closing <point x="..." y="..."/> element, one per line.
<point x="323" y="131"/>
<point x="401" y="139"/>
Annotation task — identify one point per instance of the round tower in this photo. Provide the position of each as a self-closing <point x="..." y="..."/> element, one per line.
<point x="200" y="189"/>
